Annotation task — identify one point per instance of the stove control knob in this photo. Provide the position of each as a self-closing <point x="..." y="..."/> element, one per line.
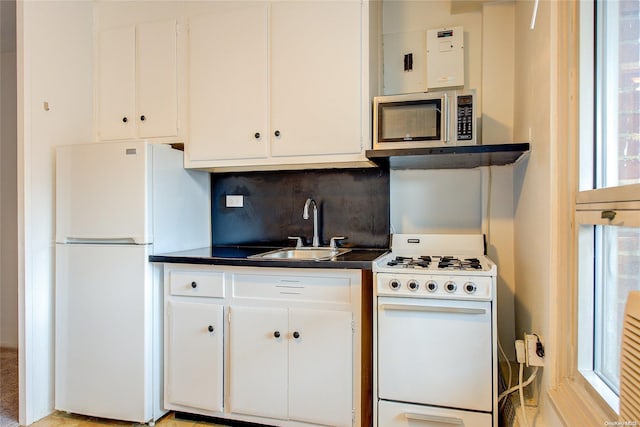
<point x="413" y="285"/>
<point x="470" y="287"/>
<point x="450" y="287"/>
<point x="394" y="284"/>
<point x="431" y="286"/>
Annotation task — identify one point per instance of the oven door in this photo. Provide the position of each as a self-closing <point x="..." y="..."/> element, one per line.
<point x="435" y="352"/>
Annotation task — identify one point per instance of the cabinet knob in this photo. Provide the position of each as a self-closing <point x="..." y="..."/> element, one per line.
<point x="143" y="118"/>
<point x="277" y="133"/>
<point x="257" y="135"/>
<point x="194" y="285"/>
<point x="296" y="334"/>
<point x="125" y="120"/>
<point x="210" y="328"/>
<point x="276" y="334"/>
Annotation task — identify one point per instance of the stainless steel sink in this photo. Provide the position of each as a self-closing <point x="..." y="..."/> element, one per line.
<point x="302" y="254"/>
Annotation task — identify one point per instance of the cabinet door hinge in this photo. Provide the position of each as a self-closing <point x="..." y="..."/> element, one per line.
<point x="353" y="326"/>
<point x="229" y="317"/>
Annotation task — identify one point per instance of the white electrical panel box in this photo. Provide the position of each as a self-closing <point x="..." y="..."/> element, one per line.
<point x="445" y="57"/>
<point x="405" y="62"/>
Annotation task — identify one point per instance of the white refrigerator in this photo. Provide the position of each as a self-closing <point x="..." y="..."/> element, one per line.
<point x="116" y="204"/>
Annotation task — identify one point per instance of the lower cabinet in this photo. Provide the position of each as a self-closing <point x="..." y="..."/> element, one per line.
<point x="194" y="355"/>
<point x="292" y="363"/>
<point x="265" y="345"/>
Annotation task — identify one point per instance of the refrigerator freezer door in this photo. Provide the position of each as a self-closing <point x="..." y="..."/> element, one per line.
<point x="102" y="192"/>
<point x="104" y="331"/>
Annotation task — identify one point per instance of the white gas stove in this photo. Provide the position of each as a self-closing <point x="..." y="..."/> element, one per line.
<point x="435" y="303"/>
<point x="436" y="266"/>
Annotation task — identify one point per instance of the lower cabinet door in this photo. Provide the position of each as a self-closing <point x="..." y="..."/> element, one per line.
<point x="194" y="371"/>
<point x="321" y="367"/>
<point x="258" y="343"/>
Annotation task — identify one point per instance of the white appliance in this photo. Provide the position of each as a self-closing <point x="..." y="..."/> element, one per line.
<point x="424" y="119"/>
<point x="116" y="204"/>
<point x="435" y="341"/>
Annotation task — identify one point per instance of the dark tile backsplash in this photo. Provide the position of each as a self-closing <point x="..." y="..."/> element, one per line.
<point x="351" y="202"/>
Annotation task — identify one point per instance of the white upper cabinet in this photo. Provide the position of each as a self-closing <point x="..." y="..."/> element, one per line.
<point x="137" y="81"/>
<point x="280" y="83"/>
<point x="316" y="77"/>
<point x="228" y="95"/>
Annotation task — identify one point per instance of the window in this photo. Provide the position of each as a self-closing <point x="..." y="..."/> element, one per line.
<point x="608" y="204"/>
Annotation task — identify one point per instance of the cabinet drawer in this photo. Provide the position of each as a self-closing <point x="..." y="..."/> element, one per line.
<point x="197" y="284"/>
<point x="394" y="414"/>
<point x="298" y="288"/>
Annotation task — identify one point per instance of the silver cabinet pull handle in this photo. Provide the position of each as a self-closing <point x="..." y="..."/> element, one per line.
<point x="433" y="418"/>
<point x="427" y="309"/>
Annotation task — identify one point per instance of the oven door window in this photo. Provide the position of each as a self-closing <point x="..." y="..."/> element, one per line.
<point x="435" y="352"/>
<point x="410" y="121"/>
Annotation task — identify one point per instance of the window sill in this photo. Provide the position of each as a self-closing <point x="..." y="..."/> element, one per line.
<point x="576" y="406"/>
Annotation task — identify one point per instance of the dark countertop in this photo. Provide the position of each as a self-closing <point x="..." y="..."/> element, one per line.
<point x="359" y="259"/>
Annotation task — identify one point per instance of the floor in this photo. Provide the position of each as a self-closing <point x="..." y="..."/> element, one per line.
<point x="9" y="404"/>
<point x="8" y="387"/>
<point x="62" y="419"/>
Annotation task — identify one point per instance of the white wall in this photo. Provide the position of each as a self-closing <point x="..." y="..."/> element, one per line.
<point x="55" y="51"/>
<point x="535" y="106"/>
<point x="8" y="180"/>
<point x="477" y="200"/>
<point x="8" y="203"/>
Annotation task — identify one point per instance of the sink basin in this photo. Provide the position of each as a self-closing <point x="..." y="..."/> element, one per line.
<point x="302" y="254"/>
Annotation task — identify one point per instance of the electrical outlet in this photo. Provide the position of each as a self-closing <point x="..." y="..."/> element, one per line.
<point x="234" y="201"/>
<point x="534" y="350"/>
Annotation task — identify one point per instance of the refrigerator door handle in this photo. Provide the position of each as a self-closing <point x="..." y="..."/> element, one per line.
<point x="104" y="241"/>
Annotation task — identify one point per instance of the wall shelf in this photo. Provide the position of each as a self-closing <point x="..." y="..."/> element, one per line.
<point x="449" y="157"/>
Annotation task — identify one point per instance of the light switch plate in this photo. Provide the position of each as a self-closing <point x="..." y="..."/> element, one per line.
<point x="234" y="201"/>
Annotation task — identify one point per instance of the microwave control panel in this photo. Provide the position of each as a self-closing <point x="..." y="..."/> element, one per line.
<point x="465" y="116"/>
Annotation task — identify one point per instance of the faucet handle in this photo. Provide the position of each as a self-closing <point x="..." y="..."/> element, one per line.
<point x="332" y="243"/>
<point x="298" y="241"/>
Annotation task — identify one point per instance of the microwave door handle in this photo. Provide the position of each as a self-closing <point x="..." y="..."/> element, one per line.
<point x="445" y="113"/>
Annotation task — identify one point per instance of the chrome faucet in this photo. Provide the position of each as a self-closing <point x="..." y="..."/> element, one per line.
<point x="305" y="215"/>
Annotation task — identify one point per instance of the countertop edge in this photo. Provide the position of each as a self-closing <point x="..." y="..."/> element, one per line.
<point x="245" y="262"/>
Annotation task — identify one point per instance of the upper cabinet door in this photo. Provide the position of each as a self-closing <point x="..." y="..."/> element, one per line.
<point x="116" y="84"/>
<point x="137" y="81"/>
<point x="157" y="112"/>
<point x="228" y="84"/>
<point x="316" y="77"/>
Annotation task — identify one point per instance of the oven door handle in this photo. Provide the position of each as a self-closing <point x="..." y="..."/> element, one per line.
<point x="433" y="418"/>
<point x="433" y="309"/>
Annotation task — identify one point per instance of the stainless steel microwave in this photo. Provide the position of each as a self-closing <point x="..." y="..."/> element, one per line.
<point x="424" y="119"/>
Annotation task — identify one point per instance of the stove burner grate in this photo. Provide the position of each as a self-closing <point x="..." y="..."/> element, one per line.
<point x="440" y="262"/>
<point x="451" y="263"/>
<point x="404" y="261"/>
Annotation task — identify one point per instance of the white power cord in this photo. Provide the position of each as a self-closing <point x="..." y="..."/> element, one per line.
<point x="517" y="386"/>
<point x="524" y="412"/>
<point x="506" y="360"/>
<point x="520" y="387"/>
